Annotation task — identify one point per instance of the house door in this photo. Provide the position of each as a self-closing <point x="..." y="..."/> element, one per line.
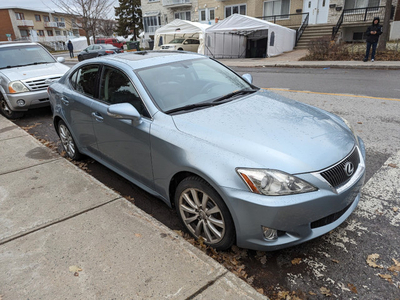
<point x="318" y="11"/>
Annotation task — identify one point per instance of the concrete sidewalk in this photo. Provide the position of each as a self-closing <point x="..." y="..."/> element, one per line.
<point x="64" y="235"/>
<point x="291" y="60"/>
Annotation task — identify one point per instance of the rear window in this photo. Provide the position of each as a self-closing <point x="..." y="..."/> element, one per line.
<point x="19" y="56"/>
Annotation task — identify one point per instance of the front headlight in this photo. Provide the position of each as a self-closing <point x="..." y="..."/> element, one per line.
<point x="15" y="87"/>
<point x="273" y="182"/>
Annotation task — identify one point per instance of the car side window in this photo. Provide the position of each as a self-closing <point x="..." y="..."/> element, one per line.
<point x="84" y="80"/>
<point x="117" y="88"/>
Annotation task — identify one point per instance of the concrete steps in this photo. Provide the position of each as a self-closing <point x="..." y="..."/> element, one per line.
<point x="313" y="32"/>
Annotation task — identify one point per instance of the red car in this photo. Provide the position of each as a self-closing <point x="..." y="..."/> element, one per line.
<point x="111" y="41"/>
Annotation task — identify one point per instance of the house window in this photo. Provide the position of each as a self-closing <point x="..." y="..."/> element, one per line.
<point x="58" y="32"/>
<point x="24" y="32"/>
<point x="50" y="32"/>
<point x="151" y="24"/>
<point x="350" y="4"/>
<point x="62" y="20"/>
<point x="183" y="15"/>
<point x="46" y="18"/>
<point x="55" y="19"/>
<point x="235" y="9"/>
<point x="37" y="18"/>
<point x="207" y="15"/>
<point x="19" y="16"/>
<point x="40" y="32"/>
<point x="276" y="8"/>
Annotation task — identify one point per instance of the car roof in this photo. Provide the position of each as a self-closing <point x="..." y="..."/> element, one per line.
<point x="143" y="59"/>
<point x="15" y="44"/>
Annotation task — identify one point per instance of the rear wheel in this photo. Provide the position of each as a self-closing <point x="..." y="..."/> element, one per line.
<point x="204" y="213"/>
<point x="80" y="58"/>
<point x="6" y="110"/>
<point x="68" y="142"/>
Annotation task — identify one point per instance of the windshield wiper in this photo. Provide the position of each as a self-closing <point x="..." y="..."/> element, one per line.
<point x="24" y="65"/>
<point x="190" y="107"/>
<point x="235" y="93"/>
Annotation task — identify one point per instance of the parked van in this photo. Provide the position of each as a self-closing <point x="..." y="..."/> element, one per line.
<point x="111" y="41"/>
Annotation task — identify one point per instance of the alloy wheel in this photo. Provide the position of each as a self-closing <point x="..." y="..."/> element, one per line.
<point x="201" y="215"/>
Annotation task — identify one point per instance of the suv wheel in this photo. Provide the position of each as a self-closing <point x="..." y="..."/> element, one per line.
<point x="6" y="110"/>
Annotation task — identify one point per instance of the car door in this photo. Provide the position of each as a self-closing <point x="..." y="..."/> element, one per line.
<point x="124" y="144"/>
<point x="87" y="52"/>
<point x="95" y="51"/>
<point x="76" y="101"/>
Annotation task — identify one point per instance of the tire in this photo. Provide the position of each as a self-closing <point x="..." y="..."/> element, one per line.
<point x="208" y="216"/>
<point x="68" y="141"/>
<point x="6" y="110"/>
<point x="180" y="49"/>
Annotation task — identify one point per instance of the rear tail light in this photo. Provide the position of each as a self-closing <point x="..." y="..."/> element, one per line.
<point x="109" y="52"/>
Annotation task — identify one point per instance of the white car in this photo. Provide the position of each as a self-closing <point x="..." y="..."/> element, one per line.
<point x="182" y="44"/>
<point x="26" y="69"/>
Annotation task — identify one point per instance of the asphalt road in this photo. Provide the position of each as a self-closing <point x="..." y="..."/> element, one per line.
<point x="335" y="264"/>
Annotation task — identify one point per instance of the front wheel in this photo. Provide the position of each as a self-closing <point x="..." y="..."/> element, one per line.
<point x="80" y="58"/>
<point x="6" y="110"/>
<point x="204" y="213"/>
<point x="68" y="142"/>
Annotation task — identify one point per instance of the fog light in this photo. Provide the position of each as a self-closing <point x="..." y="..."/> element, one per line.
<point x="269" y="233"/>
<point x="21" y="102"/>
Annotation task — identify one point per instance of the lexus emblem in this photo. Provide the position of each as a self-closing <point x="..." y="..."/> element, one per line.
<point x="349" y="169"/>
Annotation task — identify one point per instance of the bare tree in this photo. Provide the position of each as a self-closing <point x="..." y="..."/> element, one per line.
<point x="107" y="27"/>
<point x="386" y="26"/>
<point x="89" y="12"/>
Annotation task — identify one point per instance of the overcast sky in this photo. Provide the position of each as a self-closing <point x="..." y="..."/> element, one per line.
<point x="38" y="4"/>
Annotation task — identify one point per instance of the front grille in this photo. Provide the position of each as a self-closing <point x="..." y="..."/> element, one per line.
<point x="330" y="219"/>
<point x="337" y="174"/>
<point x="39" y="83"/>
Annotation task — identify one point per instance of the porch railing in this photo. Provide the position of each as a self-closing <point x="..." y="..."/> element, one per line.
<point x="363" y="14"/>
<point x="290" y="20"/>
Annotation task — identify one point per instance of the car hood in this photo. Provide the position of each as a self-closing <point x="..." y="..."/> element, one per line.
<point x="272" y="132"/>
<point x="43" y="70"/>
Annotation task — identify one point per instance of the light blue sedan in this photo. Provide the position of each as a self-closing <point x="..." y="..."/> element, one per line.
<point x="240" y="164"/>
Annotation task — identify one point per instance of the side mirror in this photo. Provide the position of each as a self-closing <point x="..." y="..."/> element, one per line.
<point x="61" y="59"/>
<point x="248" y="78"/>
<point x="124" y="111"/>
<point x="86" y="50"/>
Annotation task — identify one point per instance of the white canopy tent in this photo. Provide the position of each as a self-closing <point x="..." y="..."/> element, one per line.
<point x="239" y="35"/>
<point x="180" y="28"/>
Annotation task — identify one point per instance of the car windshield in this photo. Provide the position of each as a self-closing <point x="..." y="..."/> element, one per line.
<point x="176" y="41"/>
<point x="192" y="83"/>
<point x="19" y="56"/>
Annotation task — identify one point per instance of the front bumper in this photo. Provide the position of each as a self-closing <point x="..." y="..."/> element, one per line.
<point x="298" y="218"/>
<point x="34" y="99"/>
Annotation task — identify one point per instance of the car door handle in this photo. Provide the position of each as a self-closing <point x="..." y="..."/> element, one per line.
<point x="97" y="116"/>
<point x="65" y="101"/>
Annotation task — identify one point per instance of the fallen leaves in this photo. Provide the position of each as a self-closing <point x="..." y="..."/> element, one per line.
<point x="386" y="277"/>
<point x="296" y="261"/>
<point x="393" y="166"/>
<point x="325" y="291"/>
<point x="75" y="270"/>
<point x="371" y="261"/>
<point x="352" y="288"/>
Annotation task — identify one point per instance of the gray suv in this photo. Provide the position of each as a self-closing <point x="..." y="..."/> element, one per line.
<point x="26" y="69"/>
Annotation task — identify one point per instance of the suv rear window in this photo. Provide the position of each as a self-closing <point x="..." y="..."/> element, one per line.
<point x="19" y="56"/>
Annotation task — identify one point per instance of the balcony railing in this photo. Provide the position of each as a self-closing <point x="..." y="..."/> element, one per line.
<point x="176" y="3"/>
<point x="24" y="23"/>
<point x="364" y="14"/>
<point x="61" y="24"/>
<point x="50" y="24"/>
